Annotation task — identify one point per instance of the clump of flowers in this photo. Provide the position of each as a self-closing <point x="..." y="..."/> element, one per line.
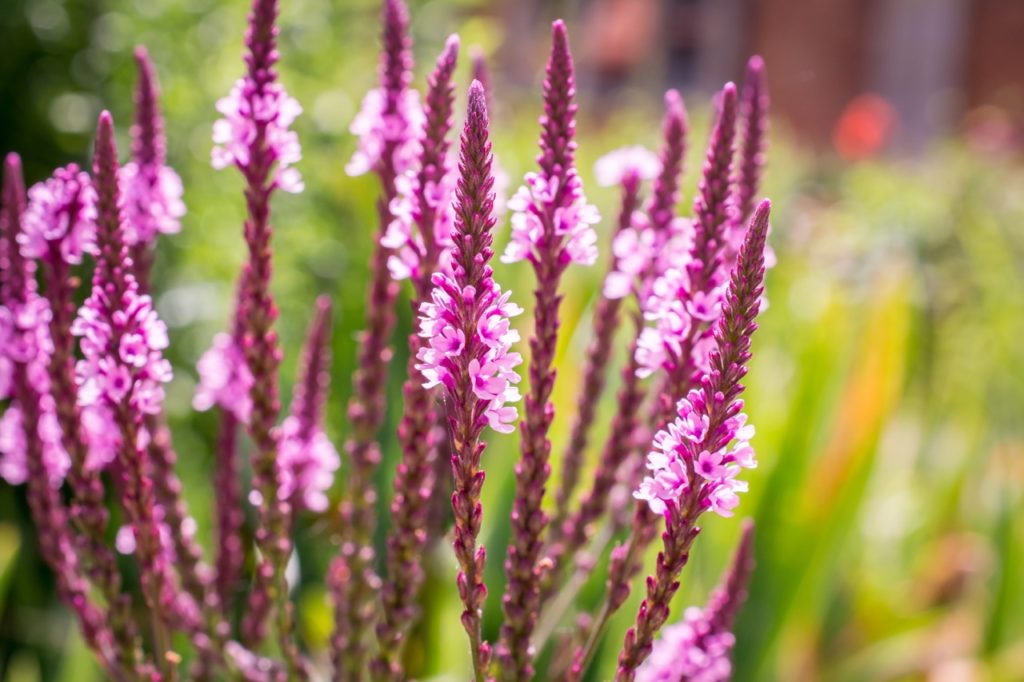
<point x="84" y="385"/>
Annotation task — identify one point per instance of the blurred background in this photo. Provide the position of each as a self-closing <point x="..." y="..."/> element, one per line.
<point x="887" y="385"/>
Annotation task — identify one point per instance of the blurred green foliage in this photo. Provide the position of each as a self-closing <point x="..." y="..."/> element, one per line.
<point x="886" y="387"/>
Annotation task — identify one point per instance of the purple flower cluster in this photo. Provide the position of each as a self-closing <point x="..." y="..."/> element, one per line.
<point x="633" y="246"/>
<point x="25" y="340"/>
<point x="224" y="379"/>
<point x="259" y="114"/>
<point x="122" y="342"/>
<point x="678" y="313"/>
<point x="308" y="460"/>
<point x="655" y="237"/>
<point x="61" y="216"/>
<point x="697" y="648"/>
<point x="618" y="165"/>
<point x="561" y="204"/>
<point x="423" y="210"/>
<point x="689" y="650"/>
<point x="379" y="126"/>
<point x="678" y="463"/>
<point x="14" y="465"/>
<point x="686" y="297"/>
<point x="404" y="239"/>
<point x="152" y="202"/>
<point x="485" y="354"/>
<point x="87" y="384"/>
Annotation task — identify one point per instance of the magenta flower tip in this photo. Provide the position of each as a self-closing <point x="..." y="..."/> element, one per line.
<point x="451" y="46"/>
<point x="12" y="166"/>
<point x="60" y="221"/>
<point x="559" y="34"/>
<point x="396" y="64"/>
<point x="755" y="66"/>
<point x="698" y="647"/>
<point x="148" y="129"/>
<point x="477" y="108"/>
<point x="323" y="304"/>
<point x="105" y="153"/>
<point x="676" y="121"/>
<point x="307" y="459"/>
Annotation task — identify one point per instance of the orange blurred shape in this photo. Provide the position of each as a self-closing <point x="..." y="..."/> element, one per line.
<point x="864" y="127"/>
<point x="620" y="33"/>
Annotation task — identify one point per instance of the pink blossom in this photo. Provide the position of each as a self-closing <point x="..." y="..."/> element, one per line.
<point x="377" y="129"/>
<point x="103" y="435"/>
<point x="224" y="379"/>
<point x="122" y="345"/>
<point x="13" y="462"/>
<point x="491" y="366"/>
<point x="13" y="445"/>
<point x="540" y="205"/>
<point x="307" y="465"/>
<point x="247" y="112"/>
<point x="25" y="341"/>
<point x="152" y="203"/>
<point x="682" y="317"/>
<point x="644" y="253"/>
<point x="402" y="236"/>
<point x="689" y="650"/>
<point x="60" y="209"/>
<point x="681" y="459"/>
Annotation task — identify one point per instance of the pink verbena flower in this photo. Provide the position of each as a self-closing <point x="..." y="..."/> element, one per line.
<point x="124" y="540"/>
<point x="224" y="379"/>
<point x="122" y="343"/>
<point x="679" y="461"/>
<point x="103" y="435"/>
<point x="656" y="238"/>
<point x="682" y="317"/>
<point x="571" y="217"/>
<point x="13" y="462"/>
<point x="403" y="237"/>
<point x="689" y="650"/>
<point x="25" y="340"/>
<point x="492" y="365"/>
<point x="615" y="166"/>
<point x="250" y="111"/>
<point x="152" y="203"/>
<point x="643" y="253"/>
<point x="62" y="210"/>
<point x="377" y="128"/>
<point x="307" y="463"/>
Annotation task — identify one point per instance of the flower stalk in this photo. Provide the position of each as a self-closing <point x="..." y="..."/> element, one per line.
<point x="254" y="136"/>
<point x="424" y="225"/>
<point x="466" y="326"/>
<point x="693" y="468"/>
<point x="551" y="228"/>
<point x="388" y="126"/>
<point x="27" y="347"/>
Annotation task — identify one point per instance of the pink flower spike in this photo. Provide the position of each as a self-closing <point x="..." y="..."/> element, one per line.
<point x="224" y="379"/>
<point x="60" y="222"/>
<point x="716" y="487"/>
<point x="307" y="458"/>
<point x="655" y="240"/>
<point x="479" y="377"/>
<point x="552" y="220"/>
